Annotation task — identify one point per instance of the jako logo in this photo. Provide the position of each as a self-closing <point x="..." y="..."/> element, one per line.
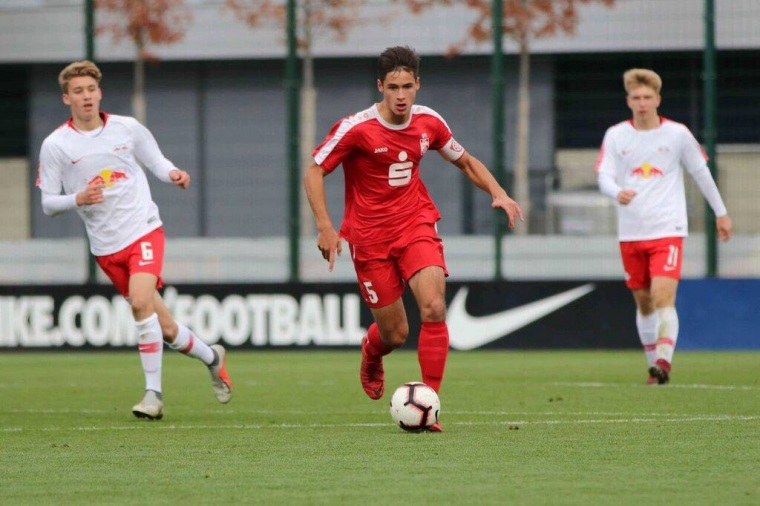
<point x="381" y="150"/>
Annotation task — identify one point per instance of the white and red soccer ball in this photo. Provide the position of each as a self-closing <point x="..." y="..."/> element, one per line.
<point x="415" y="406"/>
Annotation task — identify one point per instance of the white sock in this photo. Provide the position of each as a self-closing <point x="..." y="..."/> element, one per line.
<point x="647" y="327"/>
<point x="151" y="346"/>
<point x="667" y="333"/>
<point x="186" y="342"/>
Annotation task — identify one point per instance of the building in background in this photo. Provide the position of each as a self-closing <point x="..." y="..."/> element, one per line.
<point x="217" y="104"/>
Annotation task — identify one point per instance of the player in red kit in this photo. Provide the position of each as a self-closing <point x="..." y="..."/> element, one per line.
<point x="390" y="219"/>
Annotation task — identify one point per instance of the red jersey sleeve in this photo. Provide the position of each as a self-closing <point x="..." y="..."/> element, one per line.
<point x="442" y="135"/>
<point x="337" y="145"/>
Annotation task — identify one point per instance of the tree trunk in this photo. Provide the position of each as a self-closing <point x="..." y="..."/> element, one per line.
<point x="521" y="172"/>
<point x="139" y="107"/>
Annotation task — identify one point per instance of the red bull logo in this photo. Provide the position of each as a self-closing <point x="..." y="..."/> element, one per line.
<point x="646" y="171"/>
<point x="108" y="177"/>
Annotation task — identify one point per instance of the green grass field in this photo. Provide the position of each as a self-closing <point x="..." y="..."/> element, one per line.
<point x="520" y="428"/>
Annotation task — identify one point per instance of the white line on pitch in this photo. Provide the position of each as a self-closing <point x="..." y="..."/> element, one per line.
<point x="652" y="387"/>
<point x="162" y="426"/>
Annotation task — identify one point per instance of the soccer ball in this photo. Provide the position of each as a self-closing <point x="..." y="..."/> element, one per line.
<point x="415" y="406"/>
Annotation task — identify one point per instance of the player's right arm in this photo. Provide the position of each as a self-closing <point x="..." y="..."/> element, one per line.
<point x="50" y="182"/>
<point x="328" y="240"/>
<point x="606" y="173"/>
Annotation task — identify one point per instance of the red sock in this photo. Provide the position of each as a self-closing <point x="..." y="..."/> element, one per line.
<point x="375" y="345"/>
<point x="432" y="350"/>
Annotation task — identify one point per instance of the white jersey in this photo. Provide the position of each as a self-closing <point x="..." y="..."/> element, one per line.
<point x="71" y="159"/>
<point x="651" y="163"/>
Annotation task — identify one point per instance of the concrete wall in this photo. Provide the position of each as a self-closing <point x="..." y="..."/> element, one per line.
<point x="14" y="199"/>
<point x="53" y="31"/>
<point x="241" y="260"/>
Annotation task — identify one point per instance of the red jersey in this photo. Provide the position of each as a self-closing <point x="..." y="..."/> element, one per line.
<point x="381" y="162"/>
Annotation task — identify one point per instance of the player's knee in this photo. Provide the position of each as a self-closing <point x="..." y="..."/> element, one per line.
<point x="435" y="311"/>
<point x="396" y="336"/>
<point x="663" y="298"/>
<point x="141" y="305"/>
<point x="168" y="329"/>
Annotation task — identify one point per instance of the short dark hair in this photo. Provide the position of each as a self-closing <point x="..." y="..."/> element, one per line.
<point x="398" y="58"/>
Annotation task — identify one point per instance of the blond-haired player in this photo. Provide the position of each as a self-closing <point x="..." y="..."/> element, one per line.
<point x="640" y="165"/>
<point x="90" y="164"/>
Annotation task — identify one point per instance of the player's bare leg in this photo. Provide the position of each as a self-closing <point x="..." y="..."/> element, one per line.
<point x="389" y="331"/>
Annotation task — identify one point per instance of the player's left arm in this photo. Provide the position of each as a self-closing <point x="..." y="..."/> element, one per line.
<point x="481" y="177"/>
<point x="148" y="152"/>
<point x="695" y="161"/>
<point x="180" y="178"/>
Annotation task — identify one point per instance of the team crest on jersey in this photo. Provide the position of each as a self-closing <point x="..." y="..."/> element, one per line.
<point x="424" y="143"/>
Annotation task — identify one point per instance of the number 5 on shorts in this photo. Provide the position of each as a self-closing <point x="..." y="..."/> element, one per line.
<point x="371" y="294"/>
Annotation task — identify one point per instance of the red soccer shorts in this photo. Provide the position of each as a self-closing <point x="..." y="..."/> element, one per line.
<point x="144" y="255"/>
<point x="383" y="269"/>
<point x="643" y="260"/>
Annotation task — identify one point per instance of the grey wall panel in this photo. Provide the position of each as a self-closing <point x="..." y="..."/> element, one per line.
<point x="172" y="116"/>
<point x="53" y="30"/>
<point x="247" y="169"/>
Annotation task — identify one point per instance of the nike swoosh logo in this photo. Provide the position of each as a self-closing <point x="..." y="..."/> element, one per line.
<point x="76" y="161"/>
<point x="467" y="332"/>
<point x="142" y="263"/>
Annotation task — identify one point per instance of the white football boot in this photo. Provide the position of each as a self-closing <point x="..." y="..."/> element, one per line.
<point x="150" y="407"/>
<point x="220" y="380"/>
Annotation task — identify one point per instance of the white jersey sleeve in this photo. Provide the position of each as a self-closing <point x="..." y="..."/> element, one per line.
<point x="695" y="161"/>
<point x="49" y="179"/>
<point x="50" y="168"/>
<point x="148" y="152"/>
<point x="53" y="205"/>
<point x="606" y="168"/>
